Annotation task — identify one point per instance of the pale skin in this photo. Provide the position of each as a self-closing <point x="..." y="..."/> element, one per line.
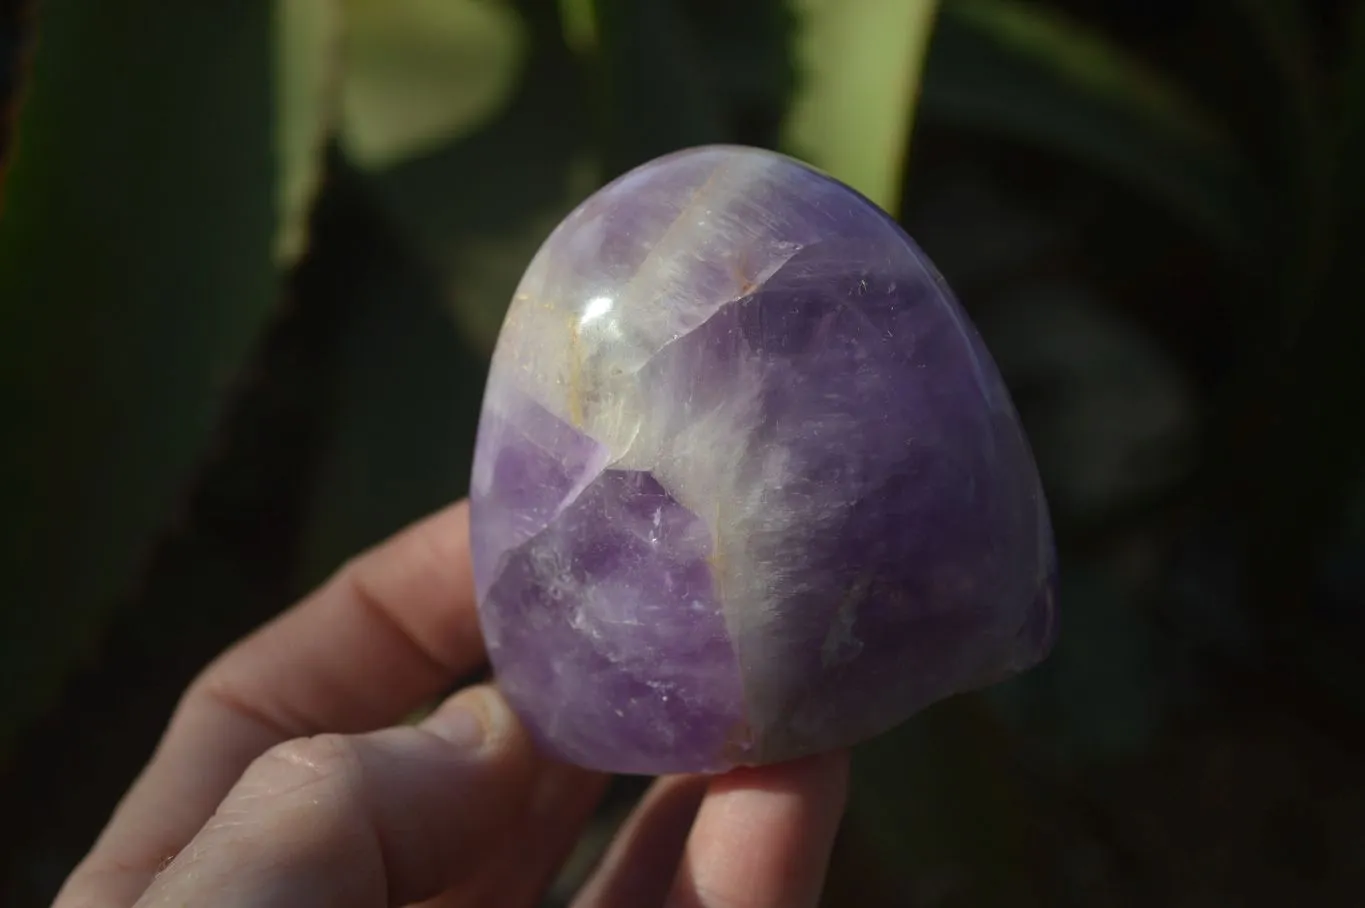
<point x="287" y="777"/>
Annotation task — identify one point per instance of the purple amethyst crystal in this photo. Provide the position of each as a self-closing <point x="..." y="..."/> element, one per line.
<point x="748" y="486"/>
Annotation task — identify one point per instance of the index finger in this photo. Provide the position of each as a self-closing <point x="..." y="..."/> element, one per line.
<point x="390" y="631"/>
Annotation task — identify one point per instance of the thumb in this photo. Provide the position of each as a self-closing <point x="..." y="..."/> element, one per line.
<point x="386" y="818"/>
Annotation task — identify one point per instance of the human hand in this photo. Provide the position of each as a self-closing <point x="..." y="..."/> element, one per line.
<point x="283" y="780"/>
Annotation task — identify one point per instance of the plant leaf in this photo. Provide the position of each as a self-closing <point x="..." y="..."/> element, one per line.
<point x="1308" y="448"/>
<point x="1283" y="33"/>
<point x="861" y="62"/>
<point x="580" y="25"/>
<point x="1014" y="69"/>
<point x="476" y="208"/>
<point x="1110" y="414"/>
<point x="461" y="223"/>
<point x="941" y="803"/>
<point x="483" y="271"/>
<point x="1285" y="36"/>
<point x="136" y="271"/>
<point x="1350" y="139"/>
<point x="656" y="92"/>
<point x="405" y="404"/>
<point x="308" y="79"/>
<point x="420" y="73"/>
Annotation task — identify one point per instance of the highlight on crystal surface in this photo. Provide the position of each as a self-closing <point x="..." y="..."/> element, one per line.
<point x="747" y="486"/>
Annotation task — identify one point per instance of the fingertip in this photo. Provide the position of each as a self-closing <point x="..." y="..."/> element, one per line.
<point x="764" y="835"/>
<point x="822" y="778"/>
<point x="475" y="719"/>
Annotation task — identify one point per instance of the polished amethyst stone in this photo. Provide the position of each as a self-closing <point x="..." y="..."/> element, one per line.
<point x="748" y="486"/>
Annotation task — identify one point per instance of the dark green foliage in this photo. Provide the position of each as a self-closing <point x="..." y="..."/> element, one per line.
<point x="1153" y="211"/>
<point x="135" y="277"/>
<point x="400" y="424"/>
<point x="1005" y="70"/>
<point x="536" y="160"/>
<point x="657" y="95"/>
<point x="674" y="74"/>
<point x="1310" y="443"/>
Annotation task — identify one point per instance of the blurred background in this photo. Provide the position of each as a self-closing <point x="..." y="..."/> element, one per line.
<point x="253" y="256"/>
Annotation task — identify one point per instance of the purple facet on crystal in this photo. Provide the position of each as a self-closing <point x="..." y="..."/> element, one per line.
<point x="748" y="485"/>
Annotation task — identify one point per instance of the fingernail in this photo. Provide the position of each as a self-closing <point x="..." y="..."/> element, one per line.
<point x="465" y="719"/>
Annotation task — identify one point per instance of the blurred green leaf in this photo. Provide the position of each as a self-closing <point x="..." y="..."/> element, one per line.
<point x="1022" y="71"/>
<point x="401" y="421"/>
<point x="657" y="96"/>
<point x="1284" y="33"/>
<point x="1343" y="565"/>
<point x="861" y="62"/>
<point x="1307" y="448"/>
<point x="420" y="73"/>
<point x="136" y="272"/>
<point x="461" y="222"/>
<point x="1350" y="139"/>
<point x="484" y="270"/>
<point x="308" y="79"/>
<point x="580" y="25"/>
<point x="1110" y="413"/>
<point x="672" y="74"/>
<point x="476" y="208"/>
<point x="1105" y="690"/>
<point x="940" y="802"/>
<point x="747" y="64"/>
<point x="977" y="235"/>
